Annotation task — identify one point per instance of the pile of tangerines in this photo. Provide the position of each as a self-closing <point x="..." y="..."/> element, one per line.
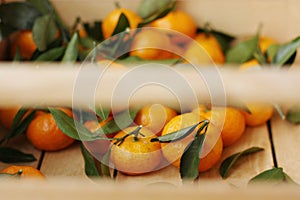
<point x="136" y="153"/>
<point x="139" y="154"/>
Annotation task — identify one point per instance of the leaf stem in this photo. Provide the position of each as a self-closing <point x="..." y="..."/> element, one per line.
<point x="77" y="21"/>
<point x="207" y="29"/>
<point x="94" y="58"/>
<point x="136" y="133"/>
<point x="20" y="172"/>
<point x="204" y="127"/>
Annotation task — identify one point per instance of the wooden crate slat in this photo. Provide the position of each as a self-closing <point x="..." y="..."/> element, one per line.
<point x="67" y="162"/>
<point x="169" y="174"/>
<point x="286" y="138"/>
<point x="22" y="144"/>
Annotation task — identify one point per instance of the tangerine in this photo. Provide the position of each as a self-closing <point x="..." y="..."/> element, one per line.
<point x="230" y="121"/>
<point x="24" y="41"/>
<point x="136" y="154"/>
<point x="205" y="50"/>
<point x="177" y="21"/>
<point x="212" y="149"/>
<point x="154" y="117"/>
<point x="7" y="116"/>
<point x="259" y="114"/>
<point x="111" y="20"/>
<point x="23" y="171"/>
<point x="44" y="134"/>
<point x="152" y="44"/>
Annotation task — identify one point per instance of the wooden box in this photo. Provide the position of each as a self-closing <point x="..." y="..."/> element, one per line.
<point x="29" y="83"/>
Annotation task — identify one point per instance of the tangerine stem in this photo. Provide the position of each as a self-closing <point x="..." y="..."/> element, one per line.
<point x="207" y="29"/>
<point x="136" y="132"/>
<point x="19" y="173"/>
<point x="204" y="127"/>
<point x="77" y="21"/>
<point x="117" y="5"/>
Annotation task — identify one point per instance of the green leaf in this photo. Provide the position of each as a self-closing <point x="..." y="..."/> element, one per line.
<point x="286" y="51"/>
<point x="293" y="115"/>
<point x="105" y="170"/>
<point x="177" y="135"/>
<point x="123" y="122"/>
<point x="45" y="7"/>
<point x="19" y="125"/>
<point x="44" y="31"/>
<point x="18" y="56"/>
<point x="10" y="155"/>
<point x="71" y="53"/>
<point x="55" y="44"/>
<point x="18" y="15"/>
<point x="87" y="42"/>
<point x="84" y="115"/>
<point x="148" y="8"/>
<point x="5" y="31"/>
<point x="159" y="14"/>
<point x="137" y="61"/>
<point x="291" y="60"/>
<point x="224" y="39"/>
<point x="272" y="50"/>
<point x="102" y="113"/>
<point x="18" y="117"/>
<point x="275" y="175"/>
<point x="89" y="163"/>
<point x="95" y="31"/>
<point x="243" y="51"/>
<point x="231" y="160"/>
<point x="115" y="47"/>
<point x="190" y="159"/>
<point x="122" y="24"/>
<point x="52" y="54"/>
<point x="71" y="127"/>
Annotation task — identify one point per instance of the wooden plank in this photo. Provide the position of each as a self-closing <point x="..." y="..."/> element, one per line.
<point x="35" y="85"/>
<point x="22" y="144"/>
<point x="248" y="166"/>
<point x="77" y="190"/>
<point x="67" y="162"/>
<point x="168" y="175"/>
<point x="286" y="138"/>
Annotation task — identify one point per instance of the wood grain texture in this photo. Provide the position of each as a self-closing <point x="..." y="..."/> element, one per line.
<point x="68" y="162"/>
<point x="168" y="175"/>
<point x="286" y="138"/>
<point x="35" y="83"/>
<point x="72" y="189"/>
